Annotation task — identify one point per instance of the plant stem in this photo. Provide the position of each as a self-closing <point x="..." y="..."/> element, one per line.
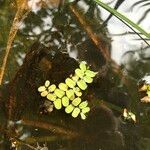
<point x="19" y="17"/>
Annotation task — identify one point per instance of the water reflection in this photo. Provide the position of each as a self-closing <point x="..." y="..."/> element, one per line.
<point x="61" y="33"/>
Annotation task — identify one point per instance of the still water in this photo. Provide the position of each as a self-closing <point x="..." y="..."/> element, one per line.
<point x="48" y="41"/>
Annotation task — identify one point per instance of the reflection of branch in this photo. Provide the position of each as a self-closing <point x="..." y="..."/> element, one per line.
<point x="51" y="127"/>
<point x="45" y="139"/>
<point x="96" y="40"/>
<point x="13" y="31"/>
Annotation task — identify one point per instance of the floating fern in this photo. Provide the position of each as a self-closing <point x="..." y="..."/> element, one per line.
<point x="68" y="94"/>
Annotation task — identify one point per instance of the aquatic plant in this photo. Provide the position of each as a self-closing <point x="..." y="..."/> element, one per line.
<point x="69" y="94"/>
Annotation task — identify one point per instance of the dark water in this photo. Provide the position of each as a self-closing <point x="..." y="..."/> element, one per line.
<point x="50" y="44"/>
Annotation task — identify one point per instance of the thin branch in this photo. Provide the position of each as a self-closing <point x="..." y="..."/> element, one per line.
<point x="96" y="40"/>
<point x="19" y="17"/>
<point x="51" y="127"/>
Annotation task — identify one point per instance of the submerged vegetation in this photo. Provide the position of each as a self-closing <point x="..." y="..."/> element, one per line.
<point x="66" y="45"/>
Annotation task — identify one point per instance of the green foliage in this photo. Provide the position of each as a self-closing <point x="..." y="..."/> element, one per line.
<point x="68" y="94"/>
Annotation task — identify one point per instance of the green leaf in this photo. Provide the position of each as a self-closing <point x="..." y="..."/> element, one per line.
<point x="70" y="83"/>
<point x="47" y="83"/>
<point x="122" y="17"/>
<point x="90" y="73"/>
<point x="41" y="88"/>
<point x="83" y="66"/>
<point x="70" y="94"/>
<point x="79" y="73"/>
<point x="76" y="101"/>
<point x="82" y="84"/>
<point x="44" y="93"/>
<point x="65" y="101"/>
<point x="75" y="112"/>
<point x="83" y="116"/>
<point x="51" y="97"/>
<point x="59" y="93"/>
<point x="77" y="91"/>
<point x="88" y="79"/>
<point x="52" y="88"/>
<point x="69" y="109"/>
<point x="83" y="105"/>
<point x="63" y="86"/>
<point x="75" y="78"/>
<point x="86" y="109"/>
<point x="57" y="104"/>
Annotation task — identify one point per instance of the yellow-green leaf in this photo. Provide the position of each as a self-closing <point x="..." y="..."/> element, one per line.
<point x="63" y="86"/>
<point x="75" y="78"/>
<point x="47" y="83"/>
<point x="59" y="93"/>
<point x="82" y="84"/>
<point x="57" y="103"/>
<point x="90" y="73"/>
<point x="83" y="105"/>
<point x="65" y="101"/>
<point x="83" y="116"/>
<point x="44" y="93"/>
<point x="69" y="109"/>
<point x="52" y="88"/>
<point x="70" y="82"/>
<point x="75" y="112"/>
<point x="41" y="88"/>
<point x="86" y="109"/>
<point x="83" y="66"/>
<point x="70" y="94"/>
<point x="76" y="101"/>
<point x="79" y="73"/>
<point x="51" y="97"/>
<point x="88" y="79"/>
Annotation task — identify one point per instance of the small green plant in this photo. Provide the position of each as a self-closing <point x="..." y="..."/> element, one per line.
<point x="69" y="94"/>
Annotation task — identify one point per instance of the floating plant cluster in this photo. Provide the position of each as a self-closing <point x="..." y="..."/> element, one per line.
<point x="68" y="94"/>
<point x="146" y="89"/>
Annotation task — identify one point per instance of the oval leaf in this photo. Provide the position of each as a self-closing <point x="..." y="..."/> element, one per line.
<point x="90" y="73"/>
<point x="70" y="82"/>
<point x="57" y="103"/>
<point x="65" y="101"/>
<point x="75" y="78"/>
<point x="63" y="86"/>
<point x="83" y="116"/>
<point x="83" y="105"/>
<point x="82" y="84"/>
<point x="75" y="112"/>
<point x="76" y="101"/>
<point x="86" y="110"/>
<point x="70" y="94"/>
<point x="69" y="109"/>
<point x="41" y="88"/>
<point x="51" y="97"/>
<point x="59" y="93"/>
<point x="79" y="73"/>
<point x="88" y="79"/>
<point x="44" y="93"/>
<point x="52" y="88"/>
<point x="47" y="83"/>
<point x="83" y="66"/>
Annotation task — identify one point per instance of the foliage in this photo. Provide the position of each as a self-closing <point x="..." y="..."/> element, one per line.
<point x="68" y="94"/>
